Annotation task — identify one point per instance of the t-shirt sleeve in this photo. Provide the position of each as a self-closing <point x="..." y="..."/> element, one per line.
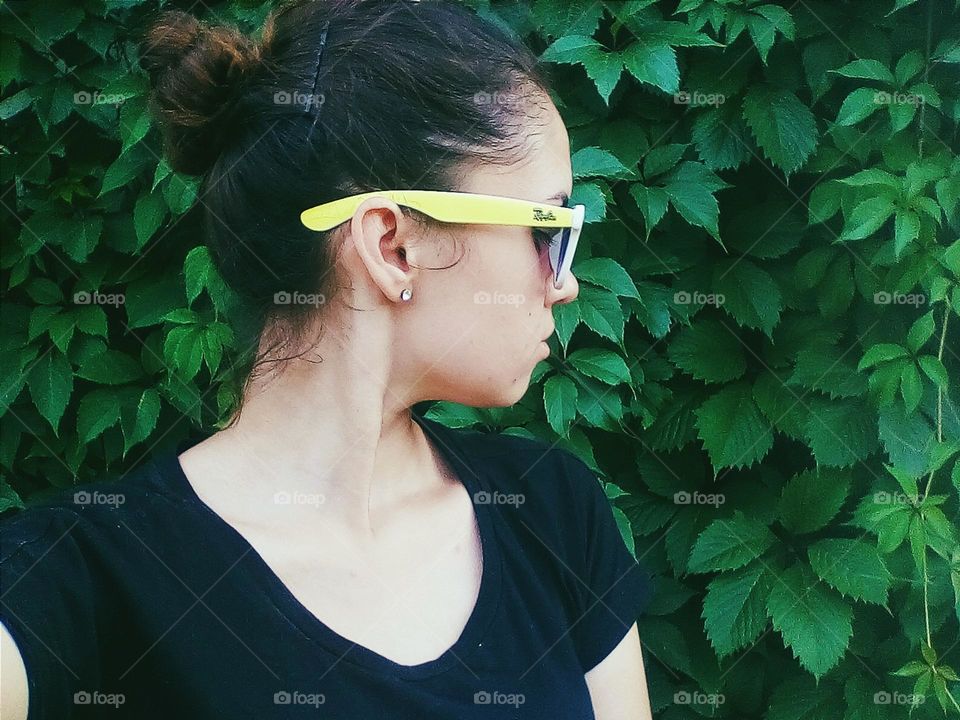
<point x="47" y="604"/>
<point x="613" y="588"/>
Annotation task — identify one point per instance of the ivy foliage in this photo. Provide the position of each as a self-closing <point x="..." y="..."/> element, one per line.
<point x="761" y="363"/>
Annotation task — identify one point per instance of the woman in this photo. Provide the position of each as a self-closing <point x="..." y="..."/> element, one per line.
<point x="332" y="552"/>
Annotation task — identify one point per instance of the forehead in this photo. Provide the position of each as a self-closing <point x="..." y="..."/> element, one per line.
<point x="542" y="171"/>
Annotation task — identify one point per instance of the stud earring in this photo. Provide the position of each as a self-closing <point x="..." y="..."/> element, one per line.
<point x="406" y="294"/>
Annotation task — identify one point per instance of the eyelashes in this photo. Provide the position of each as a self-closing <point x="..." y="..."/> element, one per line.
<point x="542" y="240"/>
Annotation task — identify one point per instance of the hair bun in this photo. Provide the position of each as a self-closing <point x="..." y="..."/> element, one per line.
<point x="195" y="73"/>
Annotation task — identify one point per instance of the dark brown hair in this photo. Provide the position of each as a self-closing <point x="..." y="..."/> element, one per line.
<point x="405" y="92"/>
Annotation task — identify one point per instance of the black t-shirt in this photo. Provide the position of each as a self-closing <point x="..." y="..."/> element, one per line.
<point x="135" y="600"/>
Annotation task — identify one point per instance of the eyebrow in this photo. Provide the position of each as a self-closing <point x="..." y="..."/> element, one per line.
<point x="561" y="196"/>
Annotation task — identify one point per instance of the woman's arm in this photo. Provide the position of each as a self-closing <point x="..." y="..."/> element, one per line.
<point x="13" y="679"/>
<point x="618" y="685"/>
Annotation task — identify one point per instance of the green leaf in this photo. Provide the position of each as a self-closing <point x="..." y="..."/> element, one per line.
<point x="853" y="567"/>
<point x="763" y="23"/>
<point x="149" y="298"/>
<point x="906" y="230"/>
<point x="110" y="367"/>
<point x="824" y="202"/>
<point x="708" y="351"/>
<point x="815" y="622"/>
<point x="654" y="64"/>
<point x="652" y="203"/>
<point x="920" y="332"/>
<point x="603" y="67"/>
<point x="607" y="273"/>
<point x="559" y="17"/>
<point x="690" y="188"/>
<point x="51" y="21"/>
<point x="199" y="271"/>
<point x="560" y="403"/>
<point x="728" y="544"/>
<point x="623" y="525"/>
<point x="868" y="217"/>
<point x="591" y="196"/>
<point x="183" y="350"/>
<point x="148" y="215"/>
<point x="784" y="127"/>
<point x="123" y="170"/>
<point x="734" y="608"/>
<point x="98" y="410"/>
<point x="934" y="369"/>
<point x="882" y="352"/>
<point x="886" y="515"/>
<point x="867" y="70"/>
<point x="180" y="192"/>
<point x="599" y="405"/>
<point x="137" y="422"/>
<point x="840" y="433"/>
<point x="16" y="103"/>
<point x="605" y="366"/>
<point x="660" y="159"/>
<point x="824" y="369"/>
<point x="911" y="387"/>
<point x="733" y="431"/>
<point x="596" y="162"/>
<point x="601" y="312"/>
<point x="50" y="380"/>
<point x="872" y="176"/>
<point x="83" y="238"/>
<point x="750" y="295"/>
<point x="859" y="105"/>
<point x="720" y="139"/>
<point x="812" y="499"/>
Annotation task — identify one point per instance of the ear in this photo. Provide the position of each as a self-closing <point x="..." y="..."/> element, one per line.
<point x="379" y="231"/>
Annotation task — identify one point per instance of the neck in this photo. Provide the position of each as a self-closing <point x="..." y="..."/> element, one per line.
<point x="333" y="437"/>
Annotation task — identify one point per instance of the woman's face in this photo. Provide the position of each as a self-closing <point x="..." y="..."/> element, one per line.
<point x="481" y="323"/>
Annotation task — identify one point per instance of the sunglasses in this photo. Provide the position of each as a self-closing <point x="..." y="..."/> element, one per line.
<point x="471" y="208"/>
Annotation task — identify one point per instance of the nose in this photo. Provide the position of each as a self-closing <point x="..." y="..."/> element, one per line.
<point x="566" y="293"/>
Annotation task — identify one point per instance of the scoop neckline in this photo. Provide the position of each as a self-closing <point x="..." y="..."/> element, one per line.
<point x="453" y="451"/>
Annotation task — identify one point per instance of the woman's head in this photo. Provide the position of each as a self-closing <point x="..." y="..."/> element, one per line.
<point x="407" y="95"/>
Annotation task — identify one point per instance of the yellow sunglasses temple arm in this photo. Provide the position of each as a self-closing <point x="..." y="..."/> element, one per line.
<point x="451" y="207"/>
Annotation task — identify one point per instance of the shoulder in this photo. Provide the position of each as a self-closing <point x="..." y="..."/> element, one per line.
<point x="83" y="514"/>
<point x="535" y="466"/>
<point x="543" y="484"/>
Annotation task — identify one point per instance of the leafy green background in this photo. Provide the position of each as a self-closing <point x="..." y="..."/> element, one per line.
<point x="761" y="364"/>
